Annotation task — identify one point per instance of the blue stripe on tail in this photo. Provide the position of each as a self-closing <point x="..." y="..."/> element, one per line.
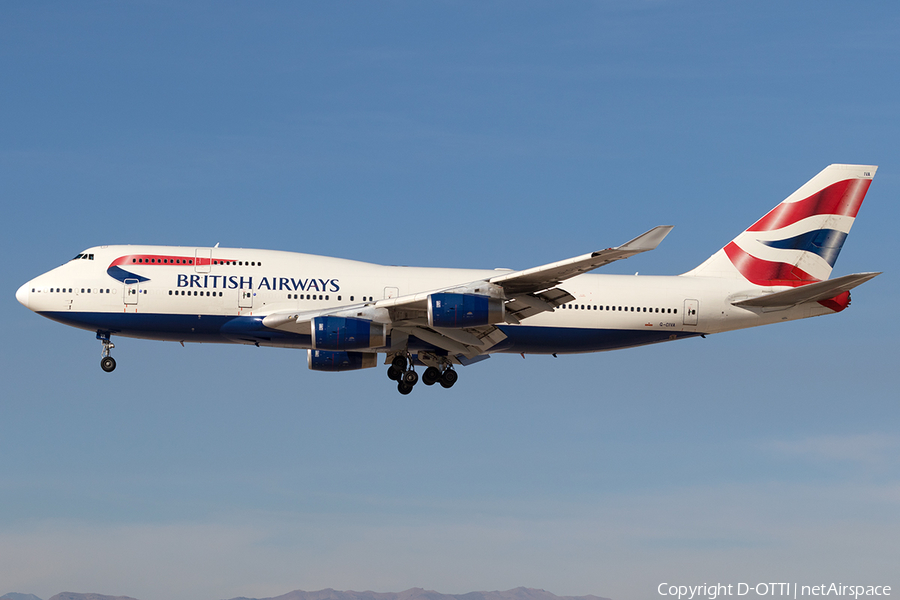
<point x="827" y="243"/>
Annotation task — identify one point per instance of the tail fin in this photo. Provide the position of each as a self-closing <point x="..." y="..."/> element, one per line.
<point x="799" y="240"/>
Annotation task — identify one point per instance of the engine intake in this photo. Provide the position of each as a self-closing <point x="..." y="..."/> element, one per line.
<point x="325" y="360"/>
<point x="463" y="310"/>
<point x="345" y="333"/>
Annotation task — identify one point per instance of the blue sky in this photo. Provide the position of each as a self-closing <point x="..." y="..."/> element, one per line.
<point x="444" y="134"/>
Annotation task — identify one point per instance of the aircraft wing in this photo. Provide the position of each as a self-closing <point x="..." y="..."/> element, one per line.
<point x="534" y="290"/>
<point x="813" y="292"/>
<point x="464" y="344"/>
<point x="526" y="294"/>
<point x="294" y="321"/>
<point x="547" y="276"/>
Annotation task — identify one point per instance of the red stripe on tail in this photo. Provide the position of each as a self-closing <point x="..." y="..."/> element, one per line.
<point x="841" y="198"/>
<point x="765" y="272"/>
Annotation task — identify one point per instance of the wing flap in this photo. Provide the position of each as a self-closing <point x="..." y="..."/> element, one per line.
<point x="469" y="342"/>
<point x="528" y="305"/>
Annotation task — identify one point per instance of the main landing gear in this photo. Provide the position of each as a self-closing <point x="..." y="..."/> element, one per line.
<point x="107" y="363"/>
<point x="402" y="371"/>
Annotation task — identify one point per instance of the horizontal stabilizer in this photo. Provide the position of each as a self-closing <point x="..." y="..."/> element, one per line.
<point x="814" y="292"/>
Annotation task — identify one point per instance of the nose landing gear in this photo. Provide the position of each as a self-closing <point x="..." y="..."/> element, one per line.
<point x="107" y="363"/>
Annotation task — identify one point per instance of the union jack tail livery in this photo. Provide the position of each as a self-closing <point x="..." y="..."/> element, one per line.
<point x="798" y="241"/>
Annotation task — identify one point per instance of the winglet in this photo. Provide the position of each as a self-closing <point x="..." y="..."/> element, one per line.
<point x="647" y="241"/>
<point x="547" y="276"/>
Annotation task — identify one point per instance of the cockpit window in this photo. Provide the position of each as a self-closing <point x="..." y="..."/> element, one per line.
<point x="77" y="257"/>
<point x="84" y="257"/>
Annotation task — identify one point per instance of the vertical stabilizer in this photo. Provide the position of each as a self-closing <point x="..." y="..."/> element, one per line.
<point x="799" y="240"/>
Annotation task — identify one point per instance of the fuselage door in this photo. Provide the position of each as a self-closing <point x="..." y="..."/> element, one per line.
<point x="691" y="312"/>
<point x="202" y="260"/>
<point x="391" y="292"/>
<point x="245" y="298"/>
<point x="132" y="291"/>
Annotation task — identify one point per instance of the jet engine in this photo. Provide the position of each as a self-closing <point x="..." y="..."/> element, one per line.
<point x="463" y="310"/>
<point x="325" y="360"/>
<point x="346" y="333"/>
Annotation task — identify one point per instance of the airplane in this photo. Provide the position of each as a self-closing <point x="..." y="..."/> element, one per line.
<point x="345" y="313"/>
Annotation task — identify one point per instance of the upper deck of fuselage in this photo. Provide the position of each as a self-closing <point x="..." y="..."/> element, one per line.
<point x="169" y="266"/>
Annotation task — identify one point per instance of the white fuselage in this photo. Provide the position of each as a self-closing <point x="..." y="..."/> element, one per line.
<point x="222" y="294"/>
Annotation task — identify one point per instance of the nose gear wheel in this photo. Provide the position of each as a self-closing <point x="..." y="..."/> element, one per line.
<point x="107" y="363"/>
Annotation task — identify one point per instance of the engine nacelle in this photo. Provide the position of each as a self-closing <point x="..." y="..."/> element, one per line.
<point x="464" y="310"/>
<point x="325" y="360"/>
<point x="346" y="333"/>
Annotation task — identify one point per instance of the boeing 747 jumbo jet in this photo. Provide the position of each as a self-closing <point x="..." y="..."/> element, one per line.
<point x="344" y="312"/>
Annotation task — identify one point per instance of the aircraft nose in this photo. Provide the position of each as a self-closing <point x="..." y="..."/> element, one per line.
<point x="22" y="294"/>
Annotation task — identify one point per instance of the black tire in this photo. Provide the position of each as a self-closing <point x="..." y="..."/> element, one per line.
<point x="449" y="378"/>
<point x="399" y="362"/>
<point x="108" y="364"/>
<point x="431" y="376"/>
<point x="410" y="378"/>
<point x="404" y="388"/>
<point x="394" y="373"/>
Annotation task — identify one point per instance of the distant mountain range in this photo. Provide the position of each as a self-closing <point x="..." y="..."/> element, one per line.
<point x="64" y="596"/>
<point x="520" y="593"/>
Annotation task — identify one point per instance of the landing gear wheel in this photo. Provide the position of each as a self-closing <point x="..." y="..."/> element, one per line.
<point x="399" y="362"/>
<point x="107" y="363"/>
<point x="431" y="376"/>
<point x="449" y="378"/>
<point x="394" y="373"/>
<point x="410" y="378"/>
<point x="404" y="388"/>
